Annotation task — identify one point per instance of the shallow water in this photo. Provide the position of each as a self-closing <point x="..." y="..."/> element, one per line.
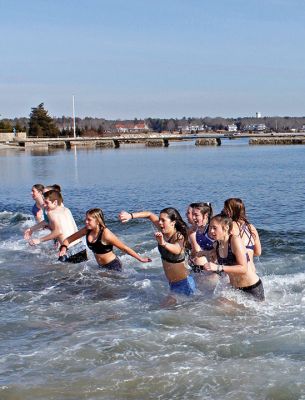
<point x="69" y="333"/>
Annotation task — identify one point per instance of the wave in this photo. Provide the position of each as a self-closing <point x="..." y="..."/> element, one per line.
<point x="13" y="218"/>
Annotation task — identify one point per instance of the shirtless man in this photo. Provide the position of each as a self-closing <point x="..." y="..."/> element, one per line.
<point x="61" y="224"/>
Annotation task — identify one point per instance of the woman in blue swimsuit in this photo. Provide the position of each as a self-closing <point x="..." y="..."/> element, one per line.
<point x="37" y="195"/>
<point x="202" y="247"/>
<point x="233" y="259"/>
<point x="101" y="241"/>
<point x="201" y="243"/>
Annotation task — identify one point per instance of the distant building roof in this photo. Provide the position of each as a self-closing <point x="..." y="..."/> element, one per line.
<point x="131" y="126"/>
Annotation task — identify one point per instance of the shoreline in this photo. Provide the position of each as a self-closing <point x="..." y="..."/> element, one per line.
<point x="155" y="140"/>
<point x="4" y="146"/>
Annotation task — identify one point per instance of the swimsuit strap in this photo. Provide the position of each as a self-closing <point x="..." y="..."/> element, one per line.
<point x="98" y="247"/>
<point x="244" y="230"/>
<point x="230" y="259"/>
<point x="171" y="257"/>
<point x="170" y="238"/>
<point x="99" y="238"/>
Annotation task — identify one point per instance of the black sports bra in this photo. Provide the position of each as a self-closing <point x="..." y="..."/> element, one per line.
<point x="170" y="257"/>
<point x="230" y="259"/>
<point x="98" y="247"/>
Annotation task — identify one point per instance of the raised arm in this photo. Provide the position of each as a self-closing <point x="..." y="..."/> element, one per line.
<point x="111" y="238"/>
<point x="126" y="216"/>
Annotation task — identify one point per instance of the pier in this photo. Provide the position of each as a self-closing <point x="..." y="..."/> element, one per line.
<point x="156" y="140"/>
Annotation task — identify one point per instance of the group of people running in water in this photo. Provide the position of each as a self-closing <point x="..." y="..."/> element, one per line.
<point x="206" y="248"/>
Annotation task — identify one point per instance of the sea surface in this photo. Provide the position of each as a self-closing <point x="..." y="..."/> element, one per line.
<point x="70" y="332"/>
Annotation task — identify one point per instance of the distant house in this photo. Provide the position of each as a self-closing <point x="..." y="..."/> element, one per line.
<point x="232" y="128"/>
<point x="255" y="127"/>
<point x="131" y="127"/>
<point x="192" y="128"/>
<point x="260" y="127"/>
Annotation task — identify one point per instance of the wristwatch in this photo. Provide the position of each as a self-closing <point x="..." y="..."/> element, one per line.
<point x="219" y="268"/>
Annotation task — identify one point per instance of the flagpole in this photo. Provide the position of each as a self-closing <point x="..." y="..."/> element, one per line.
<point x="74" y="130"/>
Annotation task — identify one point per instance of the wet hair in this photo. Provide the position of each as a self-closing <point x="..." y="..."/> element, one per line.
<point x="52" y="187"/>
<point x="237" y="210"/>
<point x="53" y="195"/>
<point x="180" y="225"/>
<point x="56" y="187"/>
<point x="39" y="187"/>
<point x="97" y="213"/>
<point x="205" y="208"/>
<point x="223" y="220"/>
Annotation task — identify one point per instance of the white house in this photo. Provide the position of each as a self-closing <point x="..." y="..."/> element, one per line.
<point x="232" y="128"/>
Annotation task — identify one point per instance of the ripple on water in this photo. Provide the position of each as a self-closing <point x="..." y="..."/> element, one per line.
<point x="74" y="332"/>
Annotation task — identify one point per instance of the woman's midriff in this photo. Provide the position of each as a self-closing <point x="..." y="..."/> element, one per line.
<point x="103" y="259"/>
<point x="248" y="279"/>
<point x="175" y="272"/>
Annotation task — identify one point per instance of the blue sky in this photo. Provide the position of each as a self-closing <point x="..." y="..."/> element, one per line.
<point x="159" y="58"/>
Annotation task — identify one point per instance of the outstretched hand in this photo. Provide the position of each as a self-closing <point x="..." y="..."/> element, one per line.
<point x="34" y="242"/>
<point x="145" y="259"/>
<point x="124" y="216"/>
<point x="27" y="234"/>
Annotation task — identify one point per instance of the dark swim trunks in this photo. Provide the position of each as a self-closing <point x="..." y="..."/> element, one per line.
<point x="256" y="290"/>
<point x="75" y="254"/>
<point x="114" y="265"/>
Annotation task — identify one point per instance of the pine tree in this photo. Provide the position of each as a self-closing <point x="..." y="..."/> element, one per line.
<point x="41" y="124"/>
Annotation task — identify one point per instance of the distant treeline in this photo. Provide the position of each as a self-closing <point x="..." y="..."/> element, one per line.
<point x="99" y="126"/>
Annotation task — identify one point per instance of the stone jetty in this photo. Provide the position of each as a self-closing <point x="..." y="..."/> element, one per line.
<point x="276" y="140"/>
<point x="208" y="142"/>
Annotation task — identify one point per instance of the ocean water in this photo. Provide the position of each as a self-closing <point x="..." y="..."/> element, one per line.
<point x="68" y="332"/>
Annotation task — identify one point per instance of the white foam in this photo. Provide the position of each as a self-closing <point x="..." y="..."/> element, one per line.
<point x="145" y="283"/>
<point x="6" y="217"/>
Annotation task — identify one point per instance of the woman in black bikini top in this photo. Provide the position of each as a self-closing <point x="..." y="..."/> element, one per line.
<point x="98" y="247"/>
<point x="232" y="258"/>
<point x="101" y="241"/>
